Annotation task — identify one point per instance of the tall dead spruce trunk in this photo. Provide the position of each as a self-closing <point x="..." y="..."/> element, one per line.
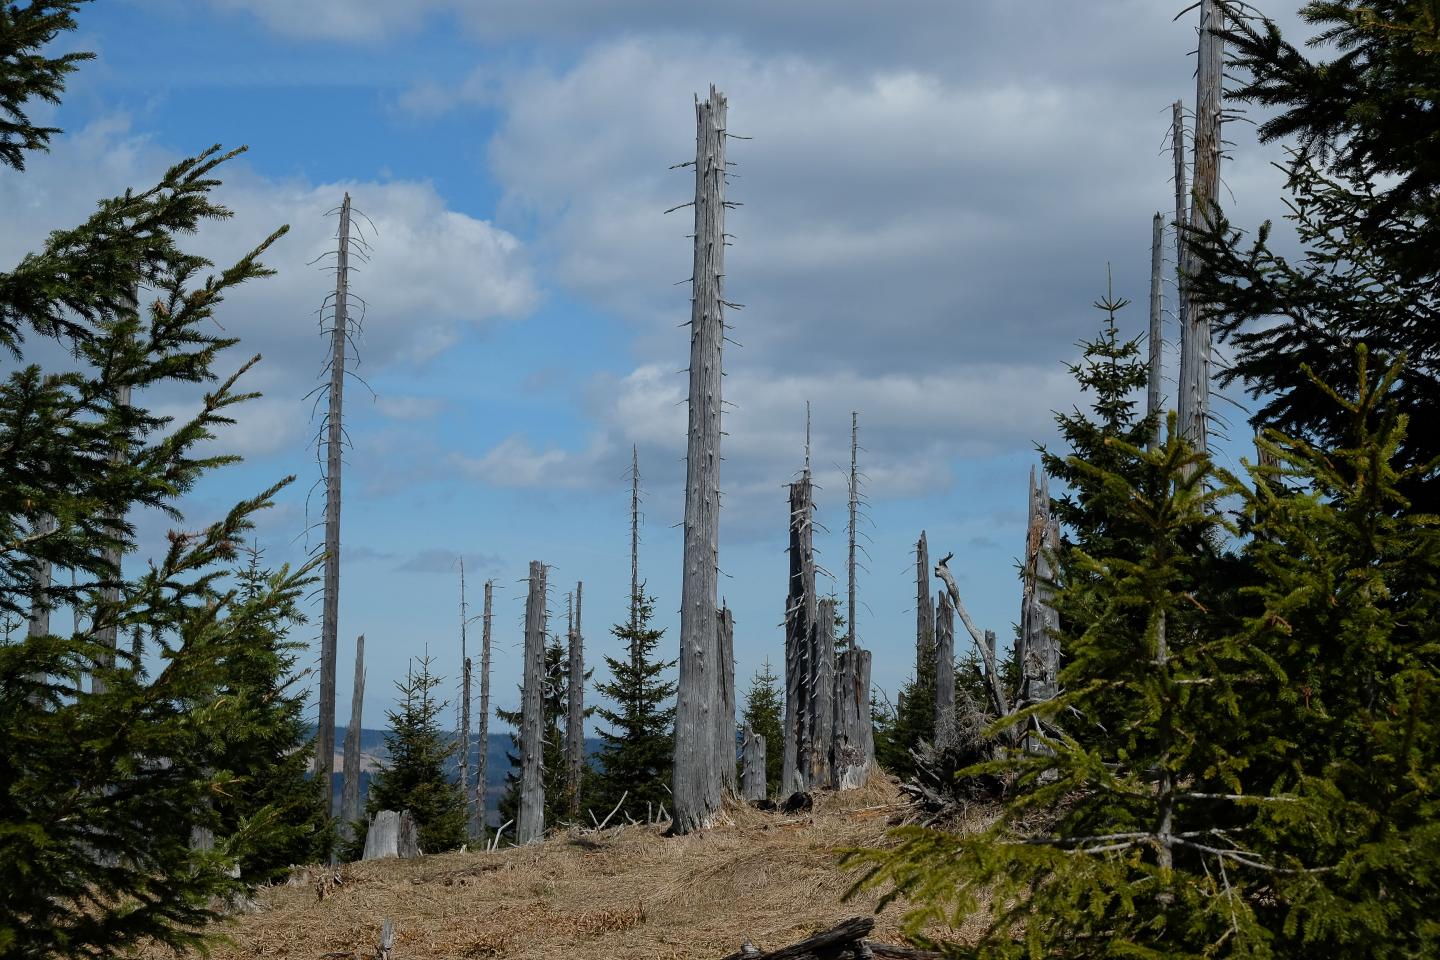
<point x="821" y="683"/>
<point x="697" y="782"/>
<point x="725" y="695"/>
<point x="575" y="723"/>
<point x="854" y="745"/>
<point x="478" y="829"/>
<point x="634" y="554"/>
<point x="752" y="766"/>
<point x="330" y="617"/>
<point x="924" y="613"/>
<point x="1204" y="201"/>
<point x="944" y="670"/>
<point x="350" y="779"/>
<point x="800" y="614"/>
<point x="1157" y="330"/>
<point x="532" y="745"/>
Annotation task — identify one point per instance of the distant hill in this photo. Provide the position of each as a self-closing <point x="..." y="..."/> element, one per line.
<point x="373" y="755"/>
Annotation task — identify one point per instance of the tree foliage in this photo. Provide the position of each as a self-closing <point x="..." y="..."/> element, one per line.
<point x="637" y="749"/>
<point x="414" y="777"/>
<point x="764" y="713"/>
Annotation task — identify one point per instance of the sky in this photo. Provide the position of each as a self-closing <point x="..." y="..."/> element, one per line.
<point x="932" y="198"/>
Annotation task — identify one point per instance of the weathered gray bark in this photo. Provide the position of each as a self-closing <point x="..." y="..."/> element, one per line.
<point x="924" y="613"/>
<point x="575" y="723"/>
<point x="696" y="784"/>
<point x="944" y="670"/>
<point x="725" y="715"/>
<point x="984" y="642"/>
<point x="350" y="780"/>
<point x="108" y="635"/>
<point x="484" y="733"/>
<point x="392" y="834"/>
<point x="851" y="611"/>
<point x="1182" y="192"/>
<point x="330" y="616"/>
<point x="43" y="576"/>
<point x="854" y="736"/>
<point x="532" y="787"/>
<point x="752" y="770"/>
<point x="1204" y="203"/>
<point x="1157" y="330"/>
<point x="635" y="599"/>
<point x="822" y="692"/>
<point x="799" y="629"/>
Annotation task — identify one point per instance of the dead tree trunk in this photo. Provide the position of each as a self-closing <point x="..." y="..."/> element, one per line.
<point x="854" y="752"/>
<point x="575" y="723"/>
<point x="944" y="670"/>
<point x="725" y="716"/>
<point x="350" y="782"/>
<point x="1182" y="192"/>
<point x="108" y="634"/>
<point x="391" y="834"/>
<point x="635" y="598"/>
<point x="799" y="628"/>
<point x="850" y="608"/>
<point x="752" y="770"/>
<point x="330" y="616"/>
<point x="1204" y="203"/>
<point x="1157" y="330"/>
<point x="532" y="746"/>
<point x="481" y="770"/>
<point x="924" y="614"/>
<point x="822" y="690"/>
<point x="696" y="780"/>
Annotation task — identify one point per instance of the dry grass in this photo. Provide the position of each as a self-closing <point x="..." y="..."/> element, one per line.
<point x="628" y="892"/>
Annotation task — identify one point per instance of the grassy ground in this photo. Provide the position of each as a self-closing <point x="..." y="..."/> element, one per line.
<point x="628" y="892"/>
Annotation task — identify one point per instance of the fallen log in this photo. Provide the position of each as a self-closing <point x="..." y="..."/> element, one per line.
<point x="840" y="942"/>
<point x="890" y="951"/>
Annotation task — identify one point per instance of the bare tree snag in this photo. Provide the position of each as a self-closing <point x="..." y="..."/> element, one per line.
<point x="924" y="613"/>
<point x="984" y="642"/>
<point x="635" y="598"/>
<point x="725" y="715"/>
<point x="350" y="780"/>
<point x="850" y="609"/>
<point x="944" y="669"/>
<point x="822" y="690"/>
<point x="752" y="769"/>
<point x="392" y="834"/>
<point x="575" y="723"/>
<point x="1157" y="330"/>
<point x="696" y="784"/>
<point x="1039" y="620"/>
<point x="484" y="735"/>
<point x="1204" y="203"/>
<point x="334" y="423"/>
<point x="799" y="628"/>
<point x="532" y="787"/>
<point x="1182" y="192"/>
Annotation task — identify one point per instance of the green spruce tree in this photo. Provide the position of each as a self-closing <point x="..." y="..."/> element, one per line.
<point x="269" y="750"/>
<point x="413" y="777"/>
<point x="764" y="713"/>
<point x="637" y="749"/>
<point x="104" y="781"/>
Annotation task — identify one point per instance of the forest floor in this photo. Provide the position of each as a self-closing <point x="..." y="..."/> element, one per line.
<point x="627" y="892"/>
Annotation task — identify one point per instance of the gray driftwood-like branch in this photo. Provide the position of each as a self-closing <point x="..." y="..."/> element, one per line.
<point x="842" y="940"/>
<point x="484" y="733"/>
<point x="1204" y="204"/>
<point x="575" y="722"/>
<point x="983" y="642"/>
<point x="330" y="615"/>
<point x="350" y="779"/>
<point x="696" y="781"/>
<point x="1157" y="330"/>
<point x="532" y="787"/>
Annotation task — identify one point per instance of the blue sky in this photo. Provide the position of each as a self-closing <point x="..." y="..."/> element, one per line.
<point x="932" y="196"/>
